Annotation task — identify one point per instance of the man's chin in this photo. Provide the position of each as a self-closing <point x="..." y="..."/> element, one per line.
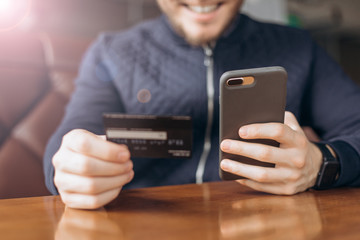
<point x="197" y="35"/>
<point x="200" y="39"/>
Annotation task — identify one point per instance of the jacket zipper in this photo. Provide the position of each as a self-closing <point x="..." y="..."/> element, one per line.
<point x="209" y="63"/>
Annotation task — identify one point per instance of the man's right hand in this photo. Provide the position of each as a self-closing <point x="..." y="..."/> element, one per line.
<point x="90" y="171"/>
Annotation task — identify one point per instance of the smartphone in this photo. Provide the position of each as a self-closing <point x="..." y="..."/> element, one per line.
<point x="250" y="96"/>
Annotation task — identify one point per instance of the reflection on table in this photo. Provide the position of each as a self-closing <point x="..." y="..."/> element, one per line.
<point x="272" y="217"/>
<point x="220" y="210"/>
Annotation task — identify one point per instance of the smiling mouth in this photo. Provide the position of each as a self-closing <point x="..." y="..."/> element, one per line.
<point x="202" y="9"/>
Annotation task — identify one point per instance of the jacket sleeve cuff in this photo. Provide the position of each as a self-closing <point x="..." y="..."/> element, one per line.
<point x="49" y="182"/>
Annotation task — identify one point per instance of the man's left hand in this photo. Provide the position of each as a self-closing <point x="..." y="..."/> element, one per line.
<point x="297" y="160"/>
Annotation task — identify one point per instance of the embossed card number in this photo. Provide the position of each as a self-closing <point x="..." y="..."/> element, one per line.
<point x="150" y="136"/>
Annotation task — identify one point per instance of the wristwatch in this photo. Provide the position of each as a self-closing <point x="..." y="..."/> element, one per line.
<point x="329" y="169"/>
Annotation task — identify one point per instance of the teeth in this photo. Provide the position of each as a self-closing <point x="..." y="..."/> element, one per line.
<point x="203" y="9"/>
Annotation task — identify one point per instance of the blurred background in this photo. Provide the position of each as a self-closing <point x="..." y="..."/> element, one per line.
<point x="334" y="24"/>
<point x="42" y="43"/>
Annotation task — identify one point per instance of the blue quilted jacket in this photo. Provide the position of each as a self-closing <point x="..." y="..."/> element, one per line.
<point x="152" y="57"/>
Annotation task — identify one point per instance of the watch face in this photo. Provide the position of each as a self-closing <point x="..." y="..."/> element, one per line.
<point x="329" y="174"/>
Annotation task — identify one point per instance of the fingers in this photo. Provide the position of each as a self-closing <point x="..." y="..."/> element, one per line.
<point x="90" y="171"/>
<point x="282" y="181"/>
<point x="72" y="183"/>
<point x="89" y="144"/>
<point x="258" y="174"/>
<point x="295" y="160"/>
<point x="83" y="201"/>
<point x="289" y="133"/>
<point x="274" y="131"/>
<point x="256" y="151"/>
<point x="76" y="163"/>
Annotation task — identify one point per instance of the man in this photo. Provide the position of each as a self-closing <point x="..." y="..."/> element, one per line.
<point x="163" y="60"/>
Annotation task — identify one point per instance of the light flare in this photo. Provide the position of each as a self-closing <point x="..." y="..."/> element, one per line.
<point x="13" y="13"/>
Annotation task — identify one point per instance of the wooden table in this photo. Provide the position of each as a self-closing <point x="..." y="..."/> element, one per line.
<point x="220" y="210"/>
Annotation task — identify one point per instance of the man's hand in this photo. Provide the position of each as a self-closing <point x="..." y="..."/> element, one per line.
<point x="90" y="171"/>
<point x="297" y="161"/>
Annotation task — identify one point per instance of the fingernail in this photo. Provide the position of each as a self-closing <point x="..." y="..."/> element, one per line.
<point x="243" y="132"/>
<point x="226" y="145"/>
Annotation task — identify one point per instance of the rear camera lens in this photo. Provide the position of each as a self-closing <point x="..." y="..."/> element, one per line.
<point x="235" y="81"/>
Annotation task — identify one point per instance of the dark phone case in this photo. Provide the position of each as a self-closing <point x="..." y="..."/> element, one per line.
<point x="261" y="102"/>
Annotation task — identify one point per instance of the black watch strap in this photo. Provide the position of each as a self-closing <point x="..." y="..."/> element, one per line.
<point x="329" y="169"/>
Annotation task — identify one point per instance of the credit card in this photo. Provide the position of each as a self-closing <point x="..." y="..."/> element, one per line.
<point x="150" y="136"/>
